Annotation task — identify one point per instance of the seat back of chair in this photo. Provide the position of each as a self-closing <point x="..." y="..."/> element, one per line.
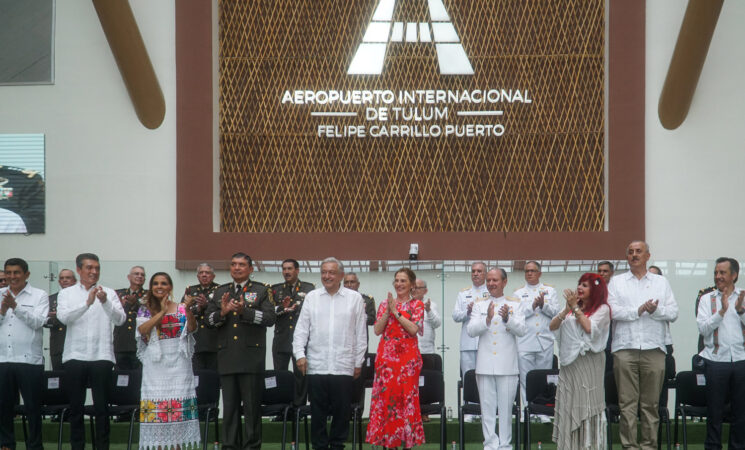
<point x="368" y="370"/>
<point x="432" y="361"/>
<point x="540" y="386"/>
<point x="208" y="386"/>
<point x="431" y="387"/>
<point x="125" y="387"/>
<point x="279" y="387"/>
<point x="53" y="391"/>
<point x="690" y="389"/>
<point x="470" y="389"/>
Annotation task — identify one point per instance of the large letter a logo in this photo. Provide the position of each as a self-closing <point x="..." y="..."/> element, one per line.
<point x="382" y="31"/>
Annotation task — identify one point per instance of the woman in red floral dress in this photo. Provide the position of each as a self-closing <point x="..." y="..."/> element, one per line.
<point x="395" y="420"/>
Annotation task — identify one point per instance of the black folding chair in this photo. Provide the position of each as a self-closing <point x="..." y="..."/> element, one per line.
<point x="208" y="401"/>
<point x="471" y="405"/>
<point x="432" y="399"/>
<point x="690" y="400"/>
<point x="54" y="402"/>
<point x="540" y="396"/>
<point x="277" y="398"/>
<point x="124" y="399"/>
<point x="613" y="411"/>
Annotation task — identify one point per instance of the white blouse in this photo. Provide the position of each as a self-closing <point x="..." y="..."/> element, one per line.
<point x="573" y="341"/>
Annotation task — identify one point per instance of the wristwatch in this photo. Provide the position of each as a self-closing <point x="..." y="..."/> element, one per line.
<point x="398" y="315"/>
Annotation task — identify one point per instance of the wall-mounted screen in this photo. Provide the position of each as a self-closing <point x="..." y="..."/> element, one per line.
<point x="22" y="183"/>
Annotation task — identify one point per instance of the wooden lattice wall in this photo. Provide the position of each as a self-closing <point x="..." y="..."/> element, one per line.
<point x="545" y="174"/>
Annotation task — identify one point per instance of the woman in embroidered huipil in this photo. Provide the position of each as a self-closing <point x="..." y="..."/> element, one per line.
<point x="395" y="419"/>
<point x="165" y="345"/>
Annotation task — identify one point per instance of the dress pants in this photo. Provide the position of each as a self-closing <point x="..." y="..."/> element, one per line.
<point x="528" y="361"/>
<point x="330" y="395"/>
<point x="725" y="381"/>
<point x="241" y="392"/>
<point x="496" y="394"/>
<point x="78" y="376"/>
<point x="639" y="375"/>
<point x="204" y="361"/>
<point x="281" y="360"/>
<point x="29" y="379"/>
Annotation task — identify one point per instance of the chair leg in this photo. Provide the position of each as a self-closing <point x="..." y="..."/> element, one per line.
<point x="307" y="438"/>
<point x="443" y="428"/>
<point x="284" y="426"/>
<point x="93" y="432"/>
<point x="217" y="425"/>
<point x="25" y="429"/>
<point x="667" y="426"/>
<point x="131" y="427"/>
<point x="527" y="429"/>
<point x="206" y="430"/>
<point x="685" y="434"/>
<point x="61" y="422"/>
<point x="461" y="431"/>
<point x="354" y="429"/>
<point x="359" y="425"/>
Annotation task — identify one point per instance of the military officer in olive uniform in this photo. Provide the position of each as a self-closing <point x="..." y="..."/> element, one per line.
<point x="205" y="349"/>
<point x="131" y="298"/>
<point x="57" y="329"/>
<point x="241" y="311"/>
<point x="289" y="297"/>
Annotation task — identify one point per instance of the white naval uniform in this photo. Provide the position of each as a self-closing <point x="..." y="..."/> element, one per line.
<point x="468" y="345"/>
<point x="496" y="367"/>
<point x="536" y="348"/>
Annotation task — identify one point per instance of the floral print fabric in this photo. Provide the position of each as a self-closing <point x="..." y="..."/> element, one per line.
<point x="166" y="411"/>
<point x="395" y="418"/>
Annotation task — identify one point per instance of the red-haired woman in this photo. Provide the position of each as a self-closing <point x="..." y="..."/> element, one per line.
<point x="395" y="419"/>
<point x="582" y="331"/>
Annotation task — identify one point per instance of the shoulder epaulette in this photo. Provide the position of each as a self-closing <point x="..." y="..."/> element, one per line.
<point x="465" y="289"/>
<point x="274" y="286"/>
<point x="548" y="285"/>
<point x="510" y="298"/>
<point x="230" y="284"/>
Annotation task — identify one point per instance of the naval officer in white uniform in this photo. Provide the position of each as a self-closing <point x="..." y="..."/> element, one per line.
<point x="467" y="298"/>
<point x="539" y="303"/>
<point x="497" y="322"/>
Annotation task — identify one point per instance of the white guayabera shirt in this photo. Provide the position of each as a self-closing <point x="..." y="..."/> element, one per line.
<point x="331" y="332"/>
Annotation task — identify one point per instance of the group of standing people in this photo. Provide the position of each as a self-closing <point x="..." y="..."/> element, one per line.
<point x="503" y="337"/>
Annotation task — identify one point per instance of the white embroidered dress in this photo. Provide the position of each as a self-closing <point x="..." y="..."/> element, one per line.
<point x="168" y="401"/>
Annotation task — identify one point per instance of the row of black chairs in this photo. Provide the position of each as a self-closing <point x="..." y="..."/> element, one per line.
<point x="277" y="399"/>
<point x="124" y="400"/>
<point x="690" y="401"/>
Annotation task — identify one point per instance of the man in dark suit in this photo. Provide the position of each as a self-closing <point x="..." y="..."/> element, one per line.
<point x="57" y="329"/>
<point x="131" y="298"/>
<point x="205" y="349"/>
<point x="241" y="311"/>
<point x="289" y="297"/>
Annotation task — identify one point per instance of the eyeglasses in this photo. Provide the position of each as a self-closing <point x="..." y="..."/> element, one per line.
<point x="532" y="271"/>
